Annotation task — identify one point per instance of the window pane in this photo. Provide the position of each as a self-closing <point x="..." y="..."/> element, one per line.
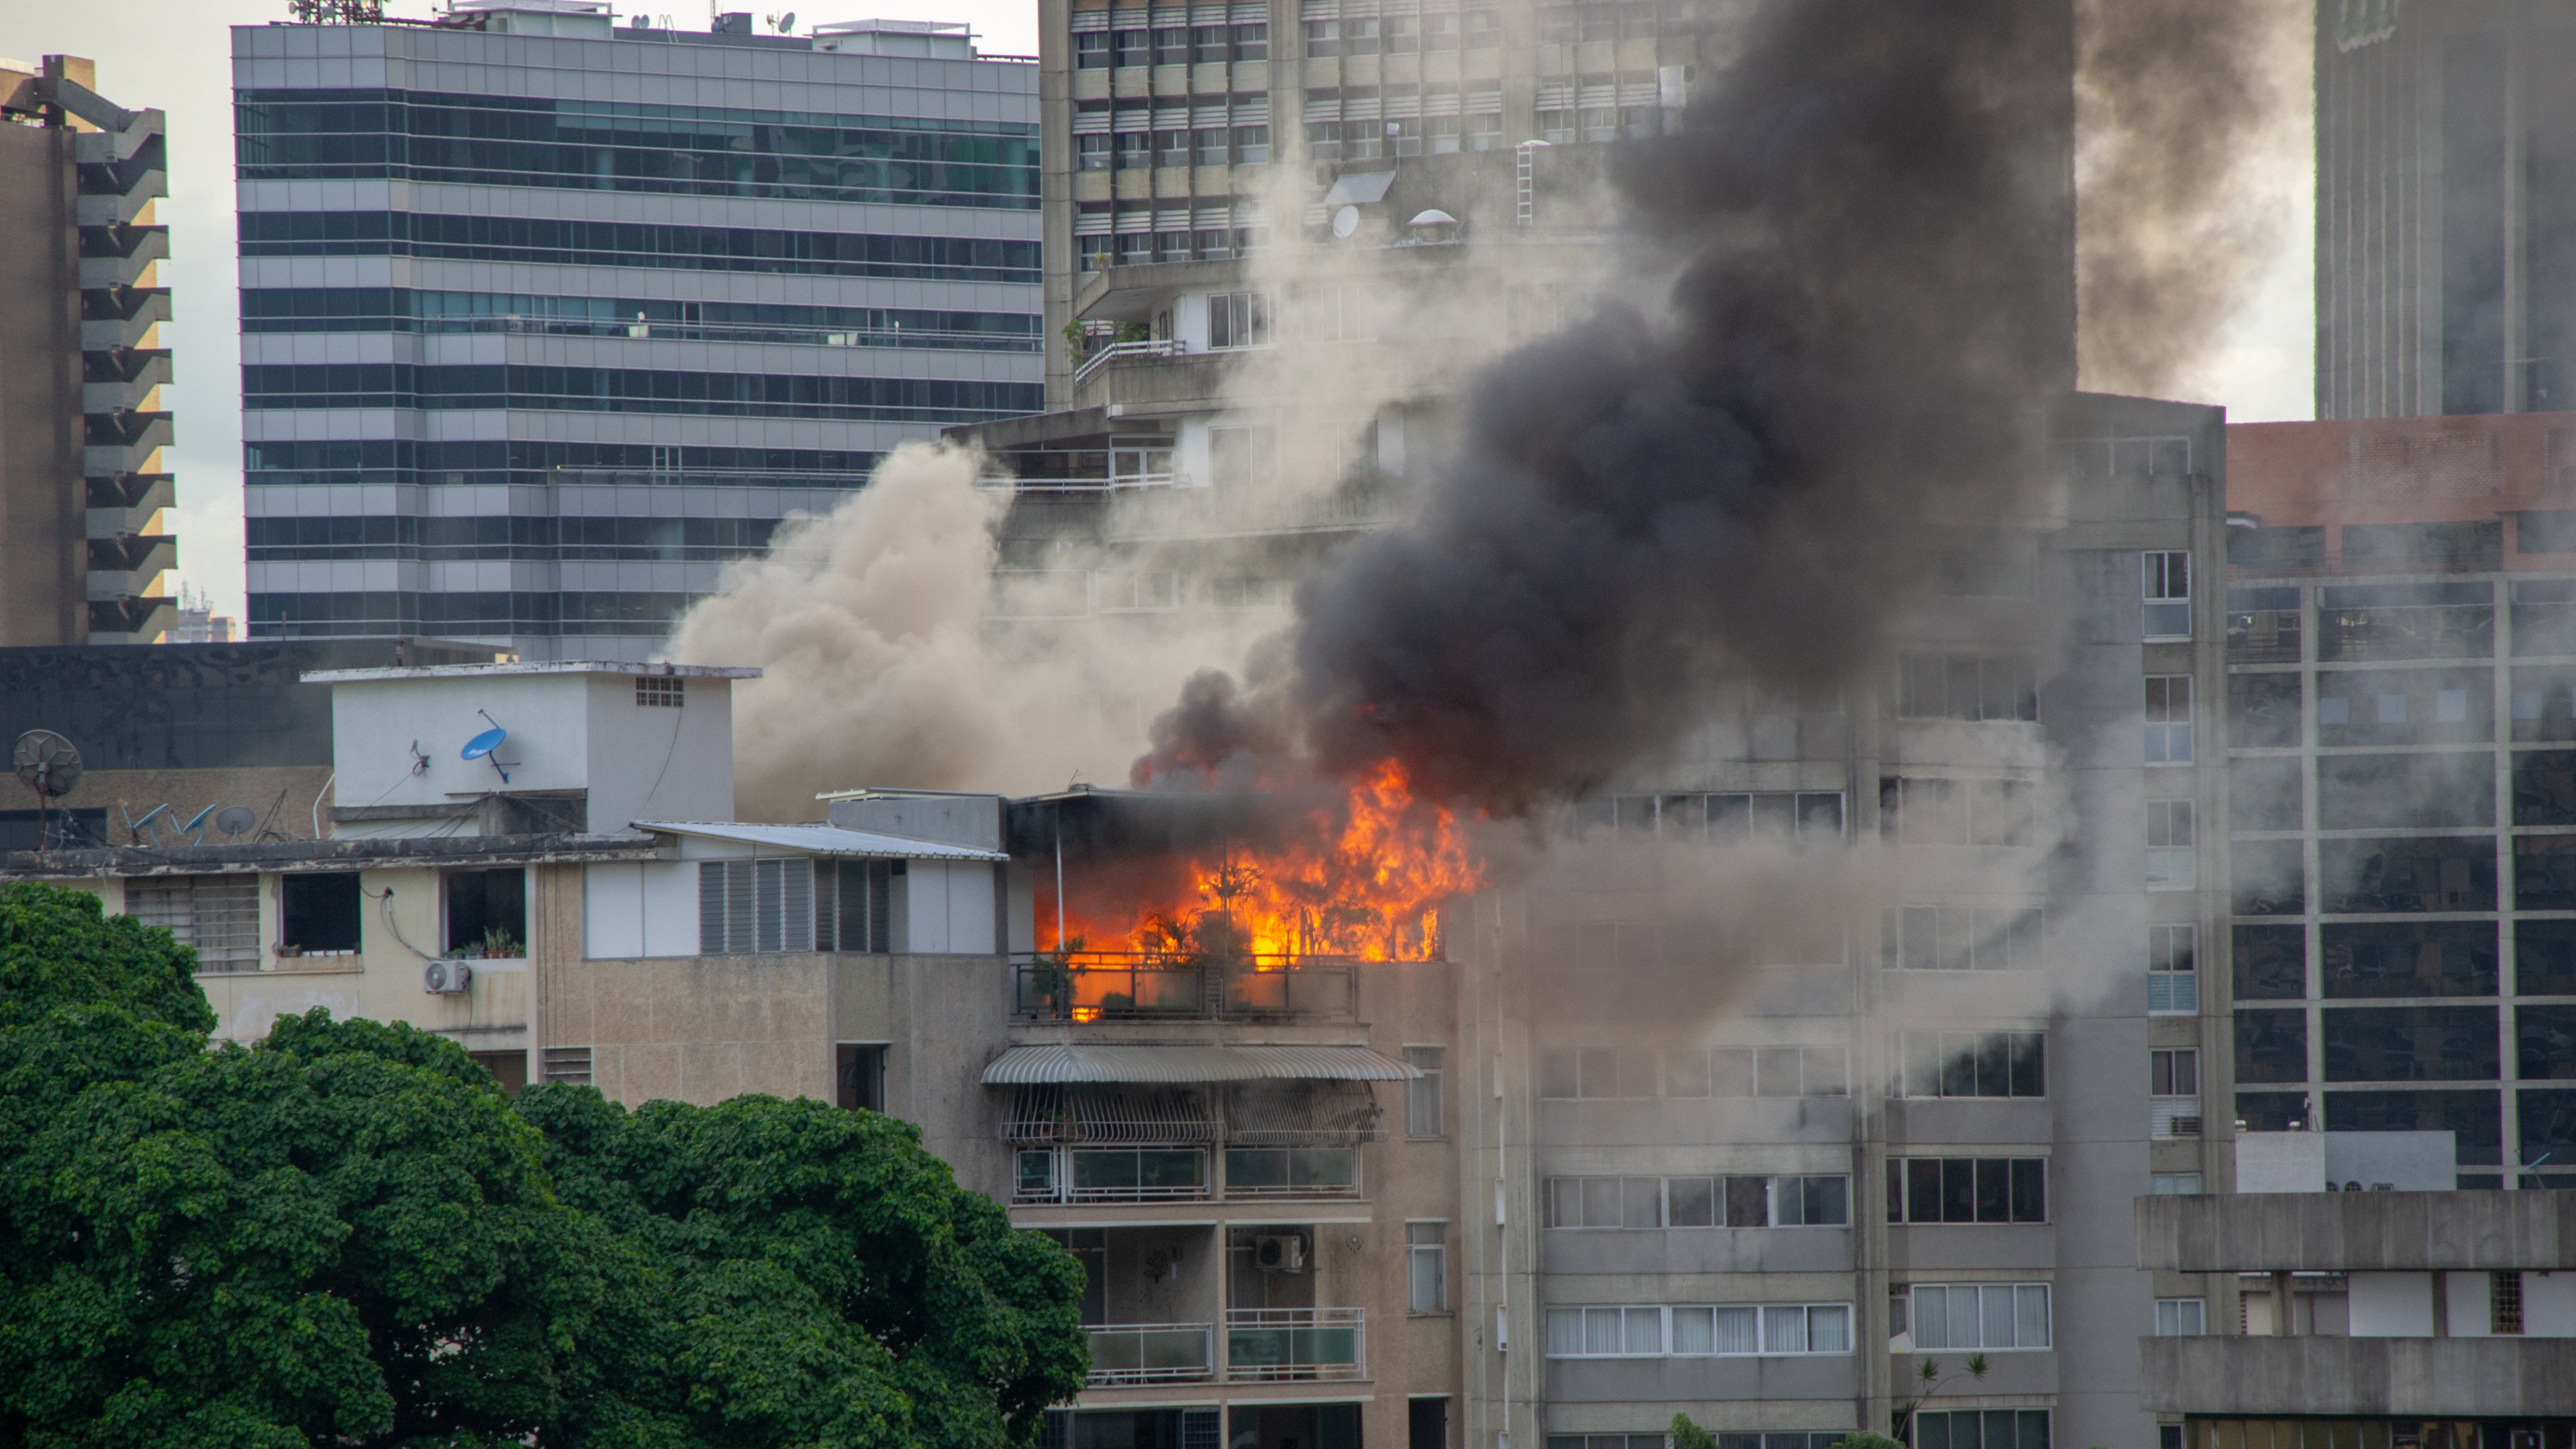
<point x="1694" y="1330"/>
<point x="1995" y="1328"/>
<point x="1994" y="1190"/>
<point x="1958" y="1190"/>
<point x="1737" y="1330"/>
<point x="1565" y="1202"/>
<point x="1827" y="1201"/>
<point x="1641" y="1204"/>
<point x="1645" y="1330"/>
<point x="1564" y="1331"/>
<point x="1784" y="1330"/>
<point x="1600" y="1202"/>
<point x="1748" y="1202"/>
<point x="1931" y="1318"/>
<point x="1829" y="1330"/>
<point x="1601" y="1330"/>
<point x="1691" y="1202"/>
<point x="1963" y="1318"/>
<point x="2030" y="1190"/>
<point x="1923" y="1190"/>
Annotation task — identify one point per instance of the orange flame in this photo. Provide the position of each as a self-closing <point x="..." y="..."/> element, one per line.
<point x="1363" y="879"/>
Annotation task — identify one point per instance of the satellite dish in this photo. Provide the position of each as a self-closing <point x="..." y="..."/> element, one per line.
<point x="1346" y="221"/>
<point x="50" y="764"/>
<point x="787" y="22"/>
<point x="235" y="821"/>
<point x="484" y="743"/>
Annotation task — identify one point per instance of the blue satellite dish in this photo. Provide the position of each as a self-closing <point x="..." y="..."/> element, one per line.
<point x="484" y="743"/>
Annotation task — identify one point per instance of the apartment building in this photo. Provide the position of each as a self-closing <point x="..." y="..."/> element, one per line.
<point x="82" y="421"/>
<point x="547" y="316"/>
<point x="2442" y="223"/>
<point x="2397" y="658"/>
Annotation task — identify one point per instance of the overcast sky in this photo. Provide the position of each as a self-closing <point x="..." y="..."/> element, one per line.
<point x="176" y="55"/>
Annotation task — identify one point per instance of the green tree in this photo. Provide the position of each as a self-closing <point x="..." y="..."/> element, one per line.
<point x="348" y="1234"/>
<point x="1688" y="1435"/>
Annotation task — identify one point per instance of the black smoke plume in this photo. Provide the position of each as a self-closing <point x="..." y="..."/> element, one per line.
<point x="1868" y="218"/>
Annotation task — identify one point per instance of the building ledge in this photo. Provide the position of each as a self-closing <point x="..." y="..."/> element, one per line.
<point x="2396" y="1377"/>
<point x="2357" y="1232"/>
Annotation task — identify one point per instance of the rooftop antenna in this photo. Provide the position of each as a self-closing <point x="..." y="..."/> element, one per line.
<point x="235" y="821"/>
<point x="481" y="747"/>
<point x="50" y="765"/>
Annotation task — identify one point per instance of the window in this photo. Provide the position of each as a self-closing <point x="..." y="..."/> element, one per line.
<point x="1135" y="47"/>
<point x="1697" y="1332"/>
<point x="1484" y="29"/>
<point x="1974" y="1064"/>
<point x="1403" y="34"/>
<point x="755" y="906"/>
<point x="1092" y="152"/>
<point x="660" y="691"/>
<point x="2504" y="1303"/>
<point x="2169" y="719"/>
<point x="854" y="905"/>
<point x="1251" y="145"/>
<point x="2175" y="1184"/>
<point x="1324" y="140"/>
<point x="1426" y="1267"/>
<point x="1108" y="1174"/>
<point x="1980" y="1429"/>
<point x="1426" y="1424"/>
<point x="487" y="913"/>
<point x="1982" y="1316"/>
<point x="1440" y="32"/>
<point x="2174" y="1073"/>
<point x="1238" y="319"/>
<point x="1323" y="38"/>
<point x="318" y="914"/>
<point x="1172" y="45"/>
<point x="1921" y="811"/>
<point x="1211" y="146"/>
<point x="1811" y="1201"/>
<point x="1967" y="687"/>
<point x="1422" y="1102"/>
<point x="1091" y="50"/>
<point x="2180" y="1318"/>
<point x="1252" y="41"/>
<point x="1207" y="43"/>
<point x="567" y="1064"/>
<point x="1696" y="1072"/>
<point x="2173" y="983"/>
<point x="1484" y="132"/>
<point x="1135" y="151"/>
<point x="1292" y="1171"/>
<point x="1171" y="148"/>
<point x="1967" y="1190"/>
<point x="859" y="1072"/>
<point x="2167" y="581"/>
<point x="1359" y="35"/>
<point x="509" y="1069"/>
<point x="216" y="914"/>
<point x="1961" y="938"/>
<point x="2171" y="862"/>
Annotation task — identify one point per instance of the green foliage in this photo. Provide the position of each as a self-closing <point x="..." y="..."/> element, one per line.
<point x="1857" y="1440"/>
<point x="1687" y="1435"/>
<point x="348" y="1234"/>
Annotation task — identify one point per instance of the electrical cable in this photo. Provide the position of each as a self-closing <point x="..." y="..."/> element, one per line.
<point x="385" y="908"/>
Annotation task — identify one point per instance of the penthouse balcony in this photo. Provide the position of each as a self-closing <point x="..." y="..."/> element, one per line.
<point x="1106" y="986"/>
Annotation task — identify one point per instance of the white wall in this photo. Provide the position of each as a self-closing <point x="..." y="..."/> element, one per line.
<point x="640" y="909"/>
<point x="1190" y="460"/>
<point x="655" y="762"/>
<point x="1190" y="322"/>
<point x="2406" y="1161"/>
<point x="2393" y="1305"/>
<point x="566" y="732"/>
<point x="949" y="908"/>
<point x="2549" y="1305"/>
<point x="2280" y="1162"/>
<point x="2467" y="1296"/>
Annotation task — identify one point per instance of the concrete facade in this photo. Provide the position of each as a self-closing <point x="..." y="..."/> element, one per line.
<point x="82" y="425"/>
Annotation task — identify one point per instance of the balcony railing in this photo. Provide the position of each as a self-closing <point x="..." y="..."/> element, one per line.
<point x="1289" y="1345"/>
<point x="1152" y="347"/>
<point x="1152" y="1353"/>
<point x="1108" y="987"/>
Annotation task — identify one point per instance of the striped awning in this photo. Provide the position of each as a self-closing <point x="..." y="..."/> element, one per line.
<point x="1032" y="1066"/>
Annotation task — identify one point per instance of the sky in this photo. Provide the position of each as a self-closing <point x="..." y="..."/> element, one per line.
<point x="176" y="55"/>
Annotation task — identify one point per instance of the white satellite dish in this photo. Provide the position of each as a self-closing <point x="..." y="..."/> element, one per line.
<point x="1346" y="221"/>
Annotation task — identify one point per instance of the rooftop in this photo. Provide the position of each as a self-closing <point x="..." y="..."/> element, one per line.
<point x="568" y="666"/>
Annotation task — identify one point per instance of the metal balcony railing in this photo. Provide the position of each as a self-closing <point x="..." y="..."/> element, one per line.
<point x="1290" y="1345"/>
<point x="1104" y="986"/>
<point x="1152" y="1353"/>
<point x="1152" y="347"/>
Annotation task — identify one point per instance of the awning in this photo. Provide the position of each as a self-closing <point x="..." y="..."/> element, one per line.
<point x="1361" y="188"/>
<point x="1031" y="1066"/>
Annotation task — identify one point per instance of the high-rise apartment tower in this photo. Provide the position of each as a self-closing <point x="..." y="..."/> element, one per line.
<point x="81" y="365"/>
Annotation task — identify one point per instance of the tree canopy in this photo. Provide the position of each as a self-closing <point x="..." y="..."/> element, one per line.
<point x="348" y="1234"/>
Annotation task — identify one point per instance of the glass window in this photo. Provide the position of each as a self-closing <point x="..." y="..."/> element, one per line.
<point x="1980" y="1316"/>
<point x="2168" y="718"/>
<point x="2167" y="582"/>
<point x="2173" y="982"/>
<point x="1426" y="1249"/>
<point x="2180" y="1317"/>
<point x="1422" y="1100"/>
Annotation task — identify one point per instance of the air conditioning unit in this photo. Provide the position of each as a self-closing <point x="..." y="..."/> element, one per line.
<point x="446" y="978"/>
<point x="1280" y="1252"/>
